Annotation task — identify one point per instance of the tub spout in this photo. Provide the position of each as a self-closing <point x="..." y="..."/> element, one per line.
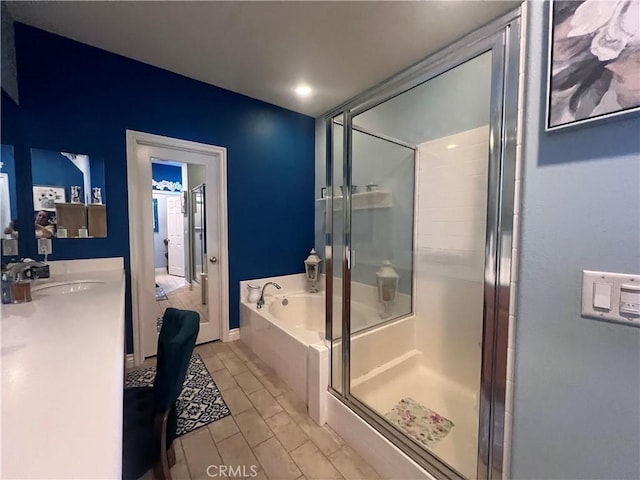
<point x="261" y="301"/>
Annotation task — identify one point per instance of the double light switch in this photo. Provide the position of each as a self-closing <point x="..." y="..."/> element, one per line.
<point x="611" y="296"/>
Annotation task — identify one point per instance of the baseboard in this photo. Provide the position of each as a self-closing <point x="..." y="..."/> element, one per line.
<point x="128" y="361"/>
<point x="233" y="335"/>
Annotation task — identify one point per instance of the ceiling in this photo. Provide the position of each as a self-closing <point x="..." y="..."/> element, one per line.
<point x="265" y="49"/>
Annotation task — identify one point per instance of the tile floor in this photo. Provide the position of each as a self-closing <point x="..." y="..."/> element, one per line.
<point x="180" y="294"/>
<point x="268" y="434"/>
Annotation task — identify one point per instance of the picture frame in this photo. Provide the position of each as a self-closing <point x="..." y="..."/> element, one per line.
<point x="588" y="77"/>
<point x="45" y="197"/>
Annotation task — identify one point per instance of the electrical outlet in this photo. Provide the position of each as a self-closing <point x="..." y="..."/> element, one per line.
<point x="9" y="247"/>
<point x="44" y="246"/>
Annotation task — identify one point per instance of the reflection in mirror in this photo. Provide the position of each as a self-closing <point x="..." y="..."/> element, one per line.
<point x="8" y="203"/>
<point x="68" y="195"/>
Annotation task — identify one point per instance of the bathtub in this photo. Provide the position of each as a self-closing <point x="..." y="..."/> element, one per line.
<point x="288" y="335"/>
<point x="305" y="312"/>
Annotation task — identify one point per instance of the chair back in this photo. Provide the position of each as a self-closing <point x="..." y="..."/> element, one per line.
<point x="175" y="346"/>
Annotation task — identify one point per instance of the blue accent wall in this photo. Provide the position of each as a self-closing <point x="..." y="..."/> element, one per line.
<point x="78" y="98"/>
<point x="7" y="158"/>
<point x="96" y="169"/>
<point x="54" y="169"/>
<point x="11" y="134"/>
<point x="169" y="173"/>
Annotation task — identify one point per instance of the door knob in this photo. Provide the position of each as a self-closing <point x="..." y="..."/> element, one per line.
<point x="213" y="259"/>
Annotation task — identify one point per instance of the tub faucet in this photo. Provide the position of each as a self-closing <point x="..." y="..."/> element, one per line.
<point x="261" y="301"/>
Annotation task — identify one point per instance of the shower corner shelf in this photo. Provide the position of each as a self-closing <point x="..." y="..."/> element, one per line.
<point x="363" y="201"/>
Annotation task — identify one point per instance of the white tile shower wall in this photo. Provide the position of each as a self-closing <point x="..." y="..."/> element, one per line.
<point x="451" y="202"/>
<point x="508" y="421"/>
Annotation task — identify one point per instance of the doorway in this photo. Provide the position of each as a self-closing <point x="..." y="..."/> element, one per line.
<point x="179" y="231"/>
<point x="212" y="301"/>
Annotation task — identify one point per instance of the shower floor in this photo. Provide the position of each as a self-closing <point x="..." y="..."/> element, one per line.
<point x="382" y="388"/>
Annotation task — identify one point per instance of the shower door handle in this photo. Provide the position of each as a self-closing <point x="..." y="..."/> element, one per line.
<point x="213" y="259"/>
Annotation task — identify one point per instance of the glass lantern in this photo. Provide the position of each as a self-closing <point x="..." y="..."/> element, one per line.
<point x="312" y="268"/>
<point x="387" y="279"/>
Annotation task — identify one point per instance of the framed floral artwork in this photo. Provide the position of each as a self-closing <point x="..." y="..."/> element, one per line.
<point x="594" y="60"/>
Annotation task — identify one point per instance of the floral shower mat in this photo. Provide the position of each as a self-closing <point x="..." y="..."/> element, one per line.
<point x="419" y="422"/>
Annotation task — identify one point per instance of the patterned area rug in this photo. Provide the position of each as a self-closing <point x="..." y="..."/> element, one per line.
<point x="200" y="402"/>
<point x="419" y="422"/>
<point x="160" y="294"/>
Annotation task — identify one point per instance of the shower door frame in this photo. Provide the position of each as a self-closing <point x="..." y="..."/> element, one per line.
<point x="502" y="38"/>
<point x="201" y="188"/>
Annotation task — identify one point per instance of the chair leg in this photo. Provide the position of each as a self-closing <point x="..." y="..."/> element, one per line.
<point x="171" y="454"/>
<point x="161" y="470"/>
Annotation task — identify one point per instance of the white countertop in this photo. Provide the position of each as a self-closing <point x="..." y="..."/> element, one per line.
<point x="62" y="381"/>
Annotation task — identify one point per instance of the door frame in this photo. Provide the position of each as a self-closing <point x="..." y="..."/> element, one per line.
<point x="141" y="228"/>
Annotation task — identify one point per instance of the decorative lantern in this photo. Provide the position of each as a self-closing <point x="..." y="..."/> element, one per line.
<point x="312" y="267"/>
<point x="388" y="280"/>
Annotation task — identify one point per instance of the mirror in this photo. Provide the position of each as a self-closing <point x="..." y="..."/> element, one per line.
<point x="68" y="195"/>
<point x="8" y="202"/>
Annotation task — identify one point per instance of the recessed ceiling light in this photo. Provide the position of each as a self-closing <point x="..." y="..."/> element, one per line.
<point x="453" y="145"/>
<point x="303" y="90"/>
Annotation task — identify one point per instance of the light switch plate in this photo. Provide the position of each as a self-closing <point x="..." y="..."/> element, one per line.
<point x="44" y="246"/>
<point x="9" y="247"/>
<point x="594" y="285"/>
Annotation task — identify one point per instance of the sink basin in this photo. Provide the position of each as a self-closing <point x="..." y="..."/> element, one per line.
<point x="62" y="288"/>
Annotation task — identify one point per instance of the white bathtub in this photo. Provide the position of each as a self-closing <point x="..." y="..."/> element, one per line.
<point x="288" y="335"/>
<point x="305" y="312"/>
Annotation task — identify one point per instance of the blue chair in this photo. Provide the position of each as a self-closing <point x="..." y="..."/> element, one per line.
<point x="149" y="414"/>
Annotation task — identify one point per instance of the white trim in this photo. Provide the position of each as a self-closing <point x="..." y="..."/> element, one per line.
<point x="231" y="335"/>
<point x="141" y="228"/>
<point x="128" y="361"/>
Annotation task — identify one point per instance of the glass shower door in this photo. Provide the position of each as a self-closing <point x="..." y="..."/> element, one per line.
<point x="198" y="234"/>
<point x="419" y="239"/>
<point x="418" y="243"/>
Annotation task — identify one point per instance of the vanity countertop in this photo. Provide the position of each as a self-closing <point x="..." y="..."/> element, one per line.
<point x="62" y="380"/>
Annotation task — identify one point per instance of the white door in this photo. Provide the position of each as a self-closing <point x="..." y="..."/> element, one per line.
<point x="145" y="306"/>
<point x="175" y="233"/>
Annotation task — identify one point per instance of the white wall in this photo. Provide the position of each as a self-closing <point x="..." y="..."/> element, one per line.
<point x="377" y="234"/>
<point x="577" y="380"/>
<point x="452" y="198"/>
<point x="442" y="106"/>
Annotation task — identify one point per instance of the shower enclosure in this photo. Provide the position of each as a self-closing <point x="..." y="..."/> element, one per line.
<point x="419" y="211"/>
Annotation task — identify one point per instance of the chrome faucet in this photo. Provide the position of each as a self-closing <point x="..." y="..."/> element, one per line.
<point x="24" y="270"/>
<point x="261" y="301"/>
